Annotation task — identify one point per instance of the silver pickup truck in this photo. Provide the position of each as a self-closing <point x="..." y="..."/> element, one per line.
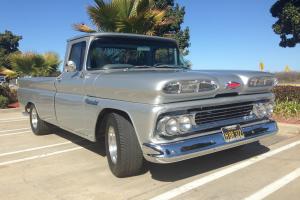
<point x="136" y="92"/>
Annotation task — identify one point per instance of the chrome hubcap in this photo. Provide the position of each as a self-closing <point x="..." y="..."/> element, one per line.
<point x="34" y="118"/>
<point x="112" y="144"/>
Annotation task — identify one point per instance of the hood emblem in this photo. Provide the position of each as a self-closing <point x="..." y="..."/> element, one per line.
<point x="232" y="85"/>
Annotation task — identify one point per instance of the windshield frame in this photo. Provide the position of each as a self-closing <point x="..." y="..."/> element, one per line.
<point x="138" y="42"/>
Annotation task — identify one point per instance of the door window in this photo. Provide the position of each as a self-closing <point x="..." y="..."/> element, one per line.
<point x="77" y="54"/>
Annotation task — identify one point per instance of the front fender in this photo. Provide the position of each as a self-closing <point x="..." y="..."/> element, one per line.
<point x="142" y="116"/>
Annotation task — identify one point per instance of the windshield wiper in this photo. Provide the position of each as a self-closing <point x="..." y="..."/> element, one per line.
<point x="169" y="66"/>
<point x="160" y="66"/>
<point x="117" y="66"/>
<point x="142" y="66"/>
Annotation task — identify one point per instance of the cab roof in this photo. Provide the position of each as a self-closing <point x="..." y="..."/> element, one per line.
<point x="123" y="35"/>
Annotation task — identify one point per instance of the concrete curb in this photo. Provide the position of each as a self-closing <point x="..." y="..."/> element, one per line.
<point x="292" y="125"/>
<point x="10" y="110"/>
<point x="289" y="128"/>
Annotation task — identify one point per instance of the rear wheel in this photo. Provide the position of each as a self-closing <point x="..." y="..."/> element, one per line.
<point x="123" y="151"/>
<point x="38" y="126"/>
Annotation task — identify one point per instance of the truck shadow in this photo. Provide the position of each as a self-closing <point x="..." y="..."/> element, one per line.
<point x="180" y="170"/>
<point x="96" y="147"/>
<point x="184" y="169"/>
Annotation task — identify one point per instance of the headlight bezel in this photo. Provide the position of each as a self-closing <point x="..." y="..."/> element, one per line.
<point x="162" y="130"/>
<point x="263" y="109"/>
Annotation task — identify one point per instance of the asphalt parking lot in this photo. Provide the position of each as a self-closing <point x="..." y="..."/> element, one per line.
<point x="61" y="166"/>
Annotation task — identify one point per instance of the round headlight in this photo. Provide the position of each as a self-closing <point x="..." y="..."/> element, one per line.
<point x="171" y="126"/>
<point x="259" y="110"/>
<point x="269" y="108"/>
<point x="185" y="123"/>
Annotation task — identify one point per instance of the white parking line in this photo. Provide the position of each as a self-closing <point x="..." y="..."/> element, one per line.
<point x="17" y="133"/>
<point x="11" y="130"/>
<point x="13" y="120"/>
<point x="207" y="179"/>
<point x="40" y="156"/>
<point x="34" y="148"/>
<point x="269" y="189"/>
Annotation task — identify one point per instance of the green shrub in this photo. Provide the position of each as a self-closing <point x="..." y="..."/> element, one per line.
<point x="3" y="101"/>
<point x="287" y="108"/>
<point x="13" y="97"/>
<point x="8" y="93"/>
<point x="287" y="93"/>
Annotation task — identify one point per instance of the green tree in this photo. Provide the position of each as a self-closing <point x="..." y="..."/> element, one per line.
<point x="150" y="17"/>
<point x="175" y="15"/>
<point x="33" y="64"/>
<point x="288" y="23"/>
<point x="9" y="44"/>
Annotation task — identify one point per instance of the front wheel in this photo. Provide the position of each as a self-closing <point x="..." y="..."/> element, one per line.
<point x="123" y="151"/>
<point x="38" y="126"/>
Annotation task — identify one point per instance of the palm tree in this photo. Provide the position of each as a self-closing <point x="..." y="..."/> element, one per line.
<point x="33" y="64"/>
<point x="128" y="16"/>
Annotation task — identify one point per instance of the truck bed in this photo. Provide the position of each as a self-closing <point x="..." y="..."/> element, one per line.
<point x="41" y="92"/>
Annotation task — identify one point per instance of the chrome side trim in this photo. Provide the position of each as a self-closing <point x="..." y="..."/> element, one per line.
<point x="190" y="148"/>
<point x="91" y="102"/>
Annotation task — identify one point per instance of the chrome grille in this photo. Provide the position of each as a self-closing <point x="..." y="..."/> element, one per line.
<point x="223" y="112"/>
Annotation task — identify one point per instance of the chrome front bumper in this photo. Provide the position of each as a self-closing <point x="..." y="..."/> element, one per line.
<point x="206" y="144"/>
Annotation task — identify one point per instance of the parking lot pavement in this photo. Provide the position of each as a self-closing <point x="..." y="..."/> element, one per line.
<point x="64" y="166"/>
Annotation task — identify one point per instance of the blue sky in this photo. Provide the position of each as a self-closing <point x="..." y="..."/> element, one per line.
<point x="231" y="34"/>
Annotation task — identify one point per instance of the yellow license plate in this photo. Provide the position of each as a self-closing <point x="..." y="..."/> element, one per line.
<point x="232" y="133"/>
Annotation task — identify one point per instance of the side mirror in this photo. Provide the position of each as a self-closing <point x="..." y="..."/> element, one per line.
<point x="70" y="66"/>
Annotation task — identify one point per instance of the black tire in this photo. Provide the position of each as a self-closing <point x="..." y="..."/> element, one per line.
<point x="41" y="127"/>
<point x="129" y="159"/>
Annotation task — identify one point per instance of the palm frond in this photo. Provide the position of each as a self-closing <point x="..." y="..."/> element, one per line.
<point x="99" y="3"/>
<point x="104" y="17"/>
<point x="143" y="6"/>
<point x="130" y="16"/>
<point x="83" y="28"/>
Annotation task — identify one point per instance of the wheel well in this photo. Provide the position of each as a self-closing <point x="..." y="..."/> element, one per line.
<point x="27" y="107"/>
<point x="101" y="120"/>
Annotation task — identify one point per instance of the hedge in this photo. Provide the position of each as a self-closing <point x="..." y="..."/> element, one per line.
<point x="287" y="93"/>
<point x="11" y="95"/>
<point x="3" y="101"/>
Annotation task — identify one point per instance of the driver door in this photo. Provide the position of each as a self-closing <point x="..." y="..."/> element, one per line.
<point x="69" y="99"/>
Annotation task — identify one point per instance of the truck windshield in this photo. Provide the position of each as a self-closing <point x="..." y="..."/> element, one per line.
<point x="130" y="55"/>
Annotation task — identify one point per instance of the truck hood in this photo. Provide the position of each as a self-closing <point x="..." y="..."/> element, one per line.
<point x="146" y="86"/>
